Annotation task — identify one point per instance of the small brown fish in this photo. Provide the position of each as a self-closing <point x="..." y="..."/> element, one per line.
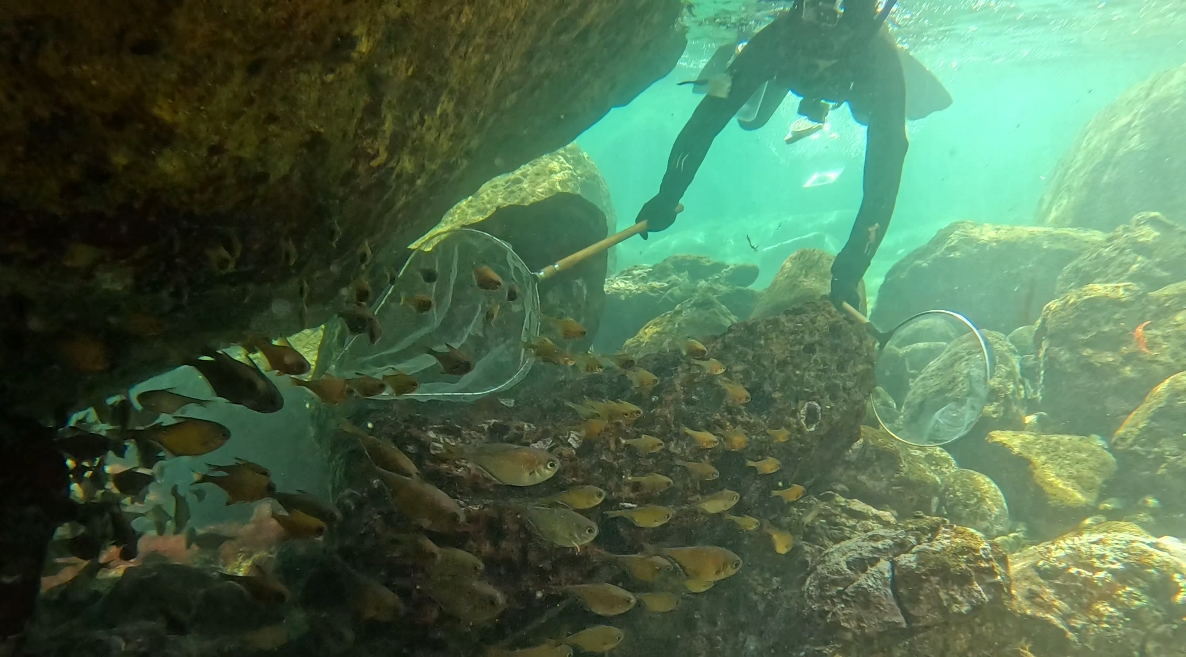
<point x="593" y="427"/>
<point x="641" y="378"/>
<point x="512" y="292"/>
<point x="659" y="602"/>
<point x="401" y="384"/>
<point x="650" y="484"/>
<point x="207" y="541"/>
<point x="718" y="502"/>
<point x="697" y="585"/>
<point x="612" y="411"/>
<point x="425" y="504"/>
<point x="766" y="466"/>
<point x="643" y="567"/>
<point x="603" y="599"/>
<point x="87" y="446"/>
<point x="695" y="350"/>
<point x="261" y="585"/>
<point x="131" y="482"/>
<point x="559" y="526"/>
<point x="704" y="439"/>
<point x="298" y="524"/>
<point x="779" y="435"/>
<point x="329" y="388"/>
<point x="360" y="319"/>
<point x="744" y="523"/>
<point x="486" y="278"/>
<point x="579" y="497"/>
<point x="180" y="510"/>
<point x="361" y="291"/>
<point x="186" y="437"/>
<point x="596" y="639"/>
<point x="242" y="481"/>
<point x="647" y="517"/>
<point x="239" y="383"/>
<point x="371" y="601"/>
<point x="709" y="563"/>
<point x="492" y="313"/>
<point x="782" y="540"/>
<point x="308" y="505"/>
<point x="366" y="386"/>
<point x="452" y="361"/>
<point x="735" y="393"/>
<point x="513" y="465"/>
<point x="382" y="453"/>
<point x="736" y="440"/>
<point x="623" y="361"/>
<point x="588" y="363"/>
<point x="645" y="444"/>
<point x="166" y="401"/>
<point x="455" y="563"/>
<point x="428" y="275"/>
<point x="282" y="358"/>
<point x="421" y="303"/>
<point x="791" y="494"/>
<point x="711" y="366"/>
<point x="472" y="601"/>
<point x="702" y="471"/>
<point x="568" y="328"/>
<point x="549" y="352"/>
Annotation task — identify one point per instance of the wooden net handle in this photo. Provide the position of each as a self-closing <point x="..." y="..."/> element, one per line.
<point x="568" y="262"/>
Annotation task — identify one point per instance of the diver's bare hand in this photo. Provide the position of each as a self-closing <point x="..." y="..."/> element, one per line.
<point x="659" y="215"/>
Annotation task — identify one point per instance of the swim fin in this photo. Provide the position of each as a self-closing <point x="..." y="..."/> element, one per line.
<point x="925" y="94"/>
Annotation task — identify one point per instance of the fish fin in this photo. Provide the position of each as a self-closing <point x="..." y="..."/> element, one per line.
<point x="925" y="94"/>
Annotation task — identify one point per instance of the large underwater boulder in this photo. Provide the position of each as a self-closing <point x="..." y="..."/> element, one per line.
<point x="1102" y="348"/>
<point x="1130" y="158"/>
<point x="699" y="317"/>
<point x="1149" y="251"/>
<point x="641" y="293"/>
<point x="1104" y="591"/>
<point x="998" y="276"/>
<point x="1150" y="445"/>
<point x="805" y="275"/>
<point x="545" y="210"/>
<point x="178" y="174"/>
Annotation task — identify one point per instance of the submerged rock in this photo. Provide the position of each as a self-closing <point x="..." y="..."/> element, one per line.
<point x="1103" y="347"/>
<point x="641" y="293"/>
<point x="1128" y="159"/>
<point x="699" y="317"/>
<point x="998" y="276"/>
<point x="1150" y="445"/>
<point x="1149" y="251"/>
<point x="180" y="174"/>
<point x="1108" y="590"/>
<point x="1051" y="481"/>
<point x="805" y="275"/>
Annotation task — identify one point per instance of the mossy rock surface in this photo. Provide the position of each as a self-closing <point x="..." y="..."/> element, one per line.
<point x="805" y="275"/>
<point x="180" y="174"/>
<point x="700" y="317"/>
<point x="1150" y="445"/>
<point x="1149" y="251"/>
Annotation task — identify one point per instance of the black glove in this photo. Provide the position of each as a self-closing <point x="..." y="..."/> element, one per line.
<point x="659" y="215"/>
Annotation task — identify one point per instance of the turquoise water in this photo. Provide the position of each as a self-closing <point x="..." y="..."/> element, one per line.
<point x="1026" y="77"/>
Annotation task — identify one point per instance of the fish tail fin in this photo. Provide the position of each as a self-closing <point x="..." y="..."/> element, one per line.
<point x="191" y="537"/>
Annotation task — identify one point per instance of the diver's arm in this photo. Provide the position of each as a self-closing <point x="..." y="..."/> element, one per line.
<point x="754" y="66"/>
<point x="885" y="153"/>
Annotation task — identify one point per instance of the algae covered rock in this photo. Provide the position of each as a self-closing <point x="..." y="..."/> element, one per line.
<point x="1149" y="251"/>
<point x="699" y="317"/>
<point x="181" y="174"/>
<point x="545" y="210"/>
<point x="1108" y="590"/>
<point x="1103" y="347"/>
<point x="998" y="276"/>
<point x="1050" y="481"/>
<point x="888" y="473"/>
<point x="1128" y="159"/>
<point x="641" y="293"/>
<point x="805" y="275"/>
<point x="1150" y="446"/>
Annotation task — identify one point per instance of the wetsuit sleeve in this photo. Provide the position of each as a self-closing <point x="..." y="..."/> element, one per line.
<point x="754" y="66"/>
<point x="885" y="151"/>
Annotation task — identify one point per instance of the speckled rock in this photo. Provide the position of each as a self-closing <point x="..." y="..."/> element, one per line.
<point x="1094" y="369"/>
<point x="997" y="275"/>
<point x="1106" y="591"/>
<point x="547" y="209"/>
<point x="1128" y="159"/>
<point x="699" y="317"/>
<point x="178" y="174"/>
<point x="639" y="294"/>
<point x="1051" y="481"/>
<point x="890" y="474"/>
<point x="805" y="275"/>
<point x="1149" y="251"/>
<point x="1150" y="445"/>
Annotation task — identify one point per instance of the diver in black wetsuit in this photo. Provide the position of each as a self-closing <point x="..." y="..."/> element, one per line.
<point x="828" y="55"/>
